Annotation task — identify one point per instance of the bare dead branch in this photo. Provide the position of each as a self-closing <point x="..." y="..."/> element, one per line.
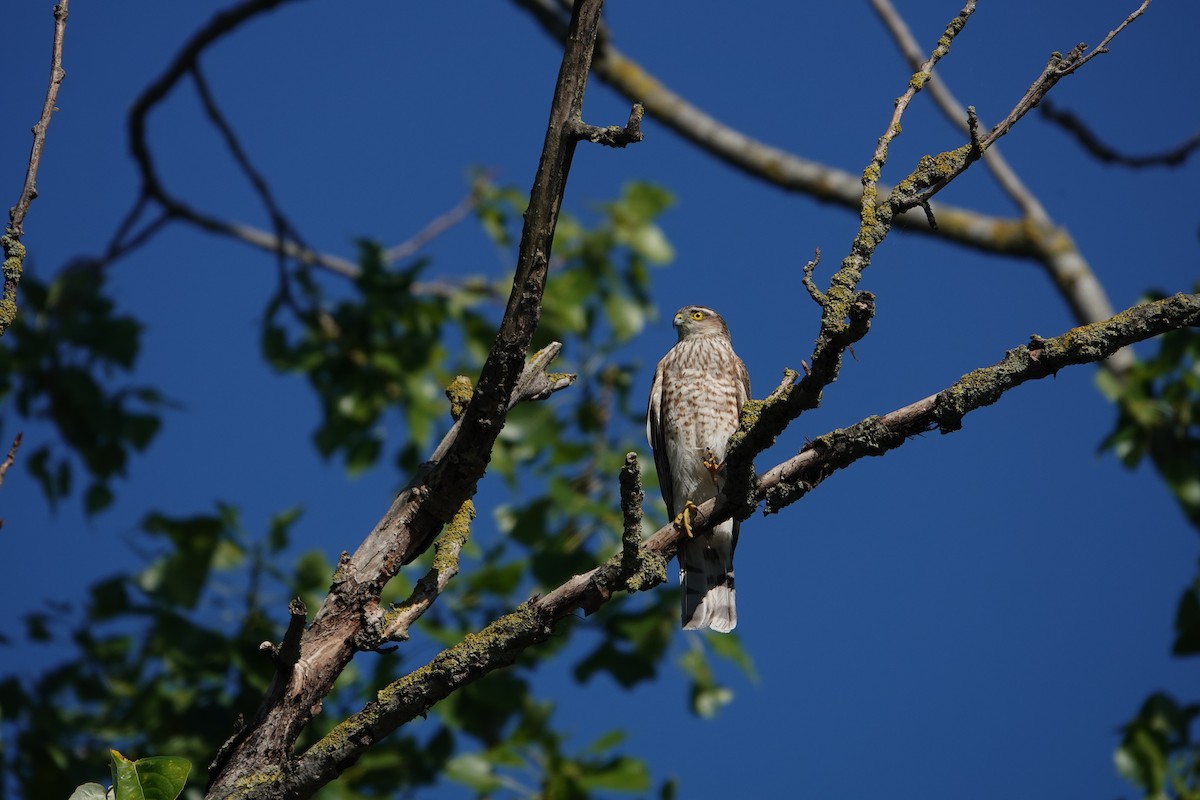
<point x="845" y="312"/>
<point x="810" y="286"/>
<point x="1057" y="68"/>
<point x="436" y="227"/>
<point x="14" y="251"/>
<point x="613" y="135"/>
<point x="1045" y="243"/>
<point x="282" y="227"/>
<point x="1100" y="150"/>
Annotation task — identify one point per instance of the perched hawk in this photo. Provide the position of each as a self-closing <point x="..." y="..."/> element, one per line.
<point x="699" y="388"/>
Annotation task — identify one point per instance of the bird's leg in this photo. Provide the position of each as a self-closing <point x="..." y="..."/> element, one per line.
<point x="683" y="521"/>
<point x="711" y="464"/>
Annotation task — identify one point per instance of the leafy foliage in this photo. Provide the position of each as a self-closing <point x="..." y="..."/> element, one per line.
<point x="62" y="355"/>
<point x="1159" y="418"/>
<point x="163" y="657"/>
<point x="1158" y="752"/>
<point x="163" y="654"/>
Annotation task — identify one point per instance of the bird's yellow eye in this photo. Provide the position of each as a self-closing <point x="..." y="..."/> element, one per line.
<point x="697" y="315"/>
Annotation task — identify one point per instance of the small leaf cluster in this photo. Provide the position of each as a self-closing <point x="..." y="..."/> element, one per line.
<point x="159" y="658"/>
<point x="61" y="358"/>
<point x="152" y="778"/>
<point x="1158" y="418"/>
<point x="1159" y="753"/>
<point x="163" y="658"/>
<point x="380" y="344"/>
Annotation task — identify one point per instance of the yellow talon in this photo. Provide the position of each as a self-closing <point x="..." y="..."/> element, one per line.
<point x="683" y="520"/>
<point x="711" y="464"/>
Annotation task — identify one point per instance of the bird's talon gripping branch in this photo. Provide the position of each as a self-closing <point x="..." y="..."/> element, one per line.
<point x="683" y="522"/>
<point x="711" y="464"/>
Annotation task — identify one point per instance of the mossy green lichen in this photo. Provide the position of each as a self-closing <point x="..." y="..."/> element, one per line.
<point x="651" y="571"/>
<point x="459" y="393"/>
<point x="247" y="785"/>
<point x="458" y="530"/>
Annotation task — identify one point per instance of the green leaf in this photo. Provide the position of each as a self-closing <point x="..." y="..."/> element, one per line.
<point x="730" y="647"/>
<point x="474" y="771"/>
<point x="154" y="778"/>
<point x="89" y="791"/>
<point x="1187" y="622"/>
<point x="97" y="498"/>
<point x="622" y="774"/>
<point x="179" y="576"/>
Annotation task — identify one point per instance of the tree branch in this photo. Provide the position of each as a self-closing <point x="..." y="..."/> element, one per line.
<point x="846" y="313"/>
<point x="14" y="251"/>
<point x="349" y="619"/>
<point x="10" y="459"/>
<point x="446" y="552"/>
<point x="502" y="642"/>
<point x="1093" y="144"/>
<point x="1041" y="241"/>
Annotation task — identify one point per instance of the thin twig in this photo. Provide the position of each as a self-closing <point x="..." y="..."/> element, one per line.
<point x="16" y="215"/>
<point x="809" y="285"/>
<point x="14" y="251"/>
<point x="1050" y="246"/>
<point x="437" y="226"/>
<point x="283" y="228"/>
<point x="955" y="112"/>
<point x="11" y="458"/>
<point x="1092" y="143"/>
<point x="446" y="553"/>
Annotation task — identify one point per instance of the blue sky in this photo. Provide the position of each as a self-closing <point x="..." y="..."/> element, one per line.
<point x="974" y="614"/>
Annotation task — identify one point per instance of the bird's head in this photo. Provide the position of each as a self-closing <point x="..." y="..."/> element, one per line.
<point x="693" y="321"/>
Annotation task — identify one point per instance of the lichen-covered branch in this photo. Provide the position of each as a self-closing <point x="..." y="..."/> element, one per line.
<point x="261" y="764"/>
<point x="446" y="553"/>
<point x="944" y="411"/>
<point x="502" y="642"/>
<point x="1037" y="239"/>
<point x="351" y="619"/>
<point x="632" y="498"/>
<point x="846" y="312"/>
<point x="14" y="251"/>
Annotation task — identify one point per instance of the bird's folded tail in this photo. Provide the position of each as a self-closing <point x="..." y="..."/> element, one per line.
<point x="706" y="583"/>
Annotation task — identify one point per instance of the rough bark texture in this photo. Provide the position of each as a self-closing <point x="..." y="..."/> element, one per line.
<point x="258" y="762"/>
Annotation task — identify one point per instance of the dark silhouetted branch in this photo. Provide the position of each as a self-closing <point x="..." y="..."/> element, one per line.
<point x="1092" y="143"/>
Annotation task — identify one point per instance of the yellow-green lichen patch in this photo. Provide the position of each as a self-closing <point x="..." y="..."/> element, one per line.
<point x="651" y="571"/>
<point x="459" y="393"/>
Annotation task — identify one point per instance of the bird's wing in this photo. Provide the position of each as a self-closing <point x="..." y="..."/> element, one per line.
<point x="662" y="462"/>
<point x="743" y="378"/>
